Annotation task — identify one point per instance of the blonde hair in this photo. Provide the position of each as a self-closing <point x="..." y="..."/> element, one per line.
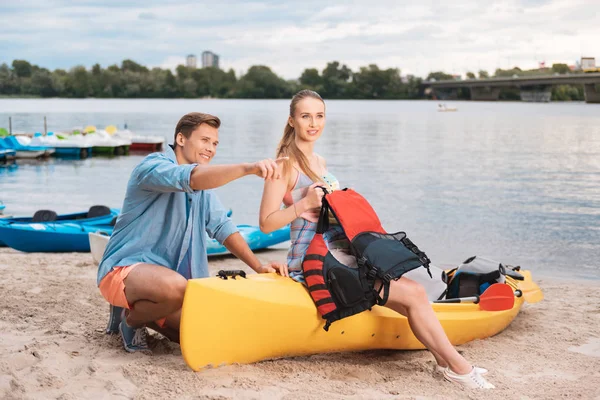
<point x="287" y="145"/>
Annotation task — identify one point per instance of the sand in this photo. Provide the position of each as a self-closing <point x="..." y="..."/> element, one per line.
<point x="52" y="345"/>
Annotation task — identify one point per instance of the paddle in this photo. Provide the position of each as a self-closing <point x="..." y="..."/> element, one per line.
<point x="497" y="297"/>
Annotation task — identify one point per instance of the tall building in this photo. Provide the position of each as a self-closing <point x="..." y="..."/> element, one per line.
<point x="210" y="59"/>
<point x="191" y="61"/>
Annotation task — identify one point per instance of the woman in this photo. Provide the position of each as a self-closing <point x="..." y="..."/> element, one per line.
<point x="302" y="173"/>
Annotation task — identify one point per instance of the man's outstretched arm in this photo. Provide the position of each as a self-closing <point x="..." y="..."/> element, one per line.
<point x="205" y="177"/>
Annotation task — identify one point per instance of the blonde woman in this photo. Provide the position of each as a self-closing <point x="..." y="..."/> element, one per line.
<point x="298" y="191"/>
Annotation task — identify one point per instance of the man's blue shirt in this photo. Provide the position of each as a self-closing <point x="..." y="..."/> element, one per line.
<point x="164" y="221"/>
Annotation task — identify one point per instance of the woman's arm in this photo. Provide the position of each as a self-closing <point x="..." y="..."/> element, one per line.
<point x="271" y="216"/>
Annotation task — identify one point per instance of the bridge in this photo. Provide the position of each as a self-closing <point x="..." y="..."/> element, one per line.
<point x="533" y="88"/>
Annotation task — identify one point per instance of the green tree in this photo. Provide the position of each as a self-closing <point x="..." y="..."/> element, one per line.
<point x="471" y="75"/>
<point x="335" y="80"/>
<point x="561" y="68"/>
<point x="9" y="83"/>
<point x="42" y="84"/>
<point x="311" y="79"/>
<point x="22" y="68"/>
<point x="373" y="83"/>
<point x="439" y="76"/>
<point x="77" y="83"/>
<point x="261" y="83"/>
<point x="132" y="66"/>
<point x="483" y="74"/>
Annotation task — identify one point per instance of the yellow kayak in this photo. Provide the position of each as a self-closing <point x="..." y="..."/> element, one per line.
<point x="268" y="316"/>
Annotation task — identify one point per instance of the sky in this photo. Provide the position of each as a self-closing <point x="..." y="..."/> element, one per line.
<point x="416" y="37"/>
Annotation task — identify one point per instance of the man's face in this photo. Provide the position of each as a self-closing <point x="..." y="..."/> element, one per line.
<point x="201" y="146"/>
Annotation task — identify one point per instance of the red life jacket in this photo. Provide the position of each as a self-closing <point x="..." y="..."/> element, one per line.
<point x="340" y="291"/>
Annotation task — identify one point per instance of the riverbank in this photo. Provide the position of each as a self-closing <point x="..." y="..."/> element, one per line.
<point x="52" y="345"/>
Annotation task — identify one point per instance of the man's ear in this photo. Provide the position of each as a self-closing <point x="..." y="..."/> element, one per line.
<point x="180" y="139"/>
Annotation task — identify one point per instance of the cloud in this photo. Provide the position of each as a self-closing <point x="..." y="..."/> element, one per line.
<point x="460" y="36"/>
<point x="147" y="15"/>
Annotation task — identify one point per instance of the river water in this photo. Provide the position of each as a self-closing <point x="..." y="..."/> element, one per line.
<point x="517" y="182"/>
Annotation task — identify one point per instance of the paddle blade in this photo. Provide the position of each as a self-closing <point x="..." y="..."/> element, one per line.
<point x="497" y="297"/>
<point x="531" y="291"/>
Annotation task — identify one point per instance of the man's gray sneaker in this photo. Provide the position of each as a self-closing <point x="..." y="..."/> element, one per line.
<point x="114" y="319"/>
<point x="134" y="339"/>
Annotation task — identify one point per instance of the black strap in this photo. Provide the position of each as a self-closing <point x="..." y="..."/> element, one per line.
<point x="443" y="294"/>
<point x="323" y="224"/>
<point x="317" y="257"/>
<point x="313" y="272"/>
<point x="385" y="286"/>
<point x="319" y="286"/>
<point x="323" y="301"/>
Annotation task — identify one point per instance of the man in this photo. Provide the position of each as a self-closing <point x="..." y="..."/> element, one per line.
<point x="159" y="240"/>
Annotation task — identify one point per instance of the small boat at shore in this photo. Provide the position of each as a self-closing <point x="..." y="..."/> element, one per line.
<point x="27" y="236"/>
<point x="7" y="155"/>
<point x="138" y="142"/>
<point x="443" y="108"/>
<point x="22" y="148"/>
<point x="252" y="235"/>
<point x="49" y="237"/>
<point x="63" y="147"/>
<point x="246" y="311"/>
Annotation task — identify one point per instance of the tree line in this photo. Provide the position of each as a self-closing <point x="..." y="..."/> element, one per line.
<point x="133" y="80"/>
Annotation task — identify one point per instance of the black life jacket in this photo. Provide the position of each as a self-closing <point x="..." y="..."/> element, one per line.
<point x="340" y="291"/>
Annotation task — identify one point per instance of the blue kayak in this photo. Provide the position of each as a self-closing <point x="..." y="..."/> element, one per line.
<point x="49" y="236"/>
<point x="254" y="237"/>
<point x="96" y="215"/>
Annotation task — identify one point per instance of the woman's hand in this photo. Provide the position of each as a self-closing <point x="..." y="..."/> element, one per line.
<point x="314" y="196"/>
<point x="268" y="168"/>
<point x="273" y="266"/>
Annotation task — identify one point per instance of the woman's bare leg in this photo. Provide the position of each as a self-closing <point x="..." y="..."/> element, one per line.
<point x="409" y="298"/>
<point x="438" y="359"/>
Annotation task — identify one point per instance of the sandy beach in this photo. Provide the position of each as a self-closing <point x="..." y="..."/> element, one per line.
<point x="52" y="345"/>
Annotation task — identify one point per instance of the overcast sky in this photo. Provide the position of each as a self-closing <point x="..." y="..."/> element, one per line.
<point x="415" y="36"/>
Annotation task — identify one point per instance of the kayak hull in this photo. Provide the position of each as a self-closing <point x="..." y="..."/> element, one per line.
<point x="49" y="237"/>
<point x="268" y="316"/>
<point x="73" y="152"/>
<point x="256" y="240"/>
<point x="140" y="146"/>
<point x="78" y="218"/>
<point x="111" y="150"/>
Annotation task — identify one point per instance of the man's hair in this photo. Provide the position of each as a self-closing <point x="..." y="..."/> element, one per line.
<point x="189" y="122"/>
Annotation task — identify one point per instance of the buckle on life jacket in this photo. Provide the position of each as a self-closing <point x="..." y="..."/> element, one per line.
<point x="372" y="273"/>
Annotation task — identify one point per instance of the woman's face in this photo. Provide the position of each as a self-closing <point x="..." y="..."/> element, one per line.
<point x="309" y="119"/>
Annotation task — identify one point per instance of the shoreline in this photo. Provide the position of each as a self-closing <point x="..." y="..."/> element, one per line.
<point x="52" y="345"/>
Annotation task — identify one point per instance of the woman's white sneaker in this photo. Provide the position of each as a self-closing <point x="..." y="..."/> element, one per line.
<point x="472" y="380"/>
<point x="440" y="370"/>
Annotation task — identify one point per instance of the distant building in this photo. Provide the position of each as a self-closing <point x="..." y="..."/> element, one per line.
<point x="588" y="64"/>
<point x="191" y="61"/>
<point x="210" y="59"/>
